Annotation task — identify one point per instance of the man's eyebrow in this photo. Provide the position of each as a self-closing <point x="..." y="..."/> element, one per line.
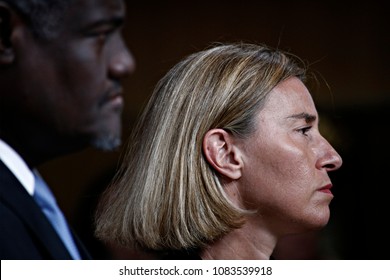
<point x="307" y="117"/>
<point x="114" y="21"/>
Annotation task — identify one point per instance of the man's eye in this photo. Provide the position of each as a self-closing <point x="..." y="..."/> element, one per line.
<point x="102" y="35"/>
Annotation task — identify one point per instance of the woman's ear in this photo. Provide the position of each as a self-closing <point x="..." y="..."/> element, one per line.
<point x="221" y="152"/>
<point x="7" y="14"/>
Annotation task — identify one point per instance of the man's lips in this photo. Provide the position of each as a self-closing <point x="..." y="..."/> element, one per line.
<point x="326" y="189"/>
<point x="114" y="95"/>
<point x="114" y="98"/>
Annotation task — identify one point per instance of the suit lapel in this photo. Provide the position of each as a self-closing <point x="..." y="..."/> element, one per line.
<point x="84" y="253"/>
<point x="16" y="198"/>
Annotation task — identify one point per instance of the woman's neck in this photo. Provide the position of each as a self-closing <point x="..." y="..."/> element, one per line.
<point x="245" y="243"/>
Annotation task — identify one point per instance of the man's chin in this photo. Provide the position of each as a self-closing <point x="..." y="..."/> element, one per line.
<point x="107" y="143"/>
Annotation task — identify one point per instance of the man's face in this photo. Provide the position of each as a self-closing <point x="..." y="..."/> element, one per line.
<point x="72" y="83"/>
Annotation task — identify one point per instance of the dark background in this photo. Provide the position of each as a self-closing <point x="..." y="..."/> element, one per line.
<point x="346" y="43"/>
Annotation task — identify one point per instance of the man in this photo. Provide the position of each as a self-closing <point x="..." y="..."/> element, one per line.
<point x="61" y="63"/>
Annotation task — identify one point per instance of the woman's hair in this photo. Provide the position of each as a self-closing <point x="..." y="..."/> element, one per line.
<point x="166" y="196"/>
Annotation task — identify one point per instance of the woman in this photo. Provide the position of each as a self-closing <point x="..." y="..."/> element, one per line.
<point x="226" y="159"/>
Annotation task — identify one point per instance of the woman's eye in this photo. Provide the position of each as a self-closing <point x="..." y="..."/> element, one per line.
<point x="304" y="130"/>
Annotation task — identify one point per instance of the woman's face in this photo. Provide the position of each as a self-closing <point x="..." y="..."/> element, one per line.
<point x="286" y="163"/>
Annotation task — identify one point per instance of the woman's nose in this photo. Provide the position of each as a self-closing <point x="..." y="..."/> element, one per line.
<point x="329" y="159"/>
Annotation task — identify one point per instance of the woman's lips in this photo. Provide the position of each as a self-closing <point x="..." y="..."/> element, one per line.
<point x="326" y="189"/>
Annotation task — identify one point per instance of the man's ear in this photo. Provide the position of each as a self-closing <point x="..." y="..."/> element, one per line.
<point x="222" y="154"/>
<point x="7" y="53"/>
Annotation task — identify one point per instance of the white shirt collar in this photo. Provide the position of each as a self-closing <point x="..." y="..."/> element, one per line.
<point x="18" y="166"/>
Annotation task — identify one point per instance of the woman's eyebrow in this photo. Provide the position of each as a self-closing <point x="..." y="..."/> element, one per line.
<point x="306" y="116"/>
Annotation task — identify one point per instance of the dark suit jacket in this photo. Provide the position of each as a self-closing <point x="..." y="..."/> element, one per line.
<point x="25" y="232"/>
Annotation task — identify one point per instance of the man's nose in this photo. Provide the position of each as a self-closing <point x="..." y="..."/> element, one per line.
<point x="122" y="62"/>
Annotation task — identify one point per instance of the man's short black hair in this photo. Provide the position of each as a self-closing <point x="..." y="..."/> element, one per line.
<point x="43" y="16"/>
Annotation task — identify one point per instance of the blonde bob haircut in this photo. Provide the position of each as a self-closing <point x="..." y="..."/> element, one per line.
<point x="166" y="196"/>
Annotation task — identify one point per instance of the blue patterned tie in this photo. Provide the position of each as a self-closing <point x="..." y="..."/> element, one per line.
<point x="45" y="199"/>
